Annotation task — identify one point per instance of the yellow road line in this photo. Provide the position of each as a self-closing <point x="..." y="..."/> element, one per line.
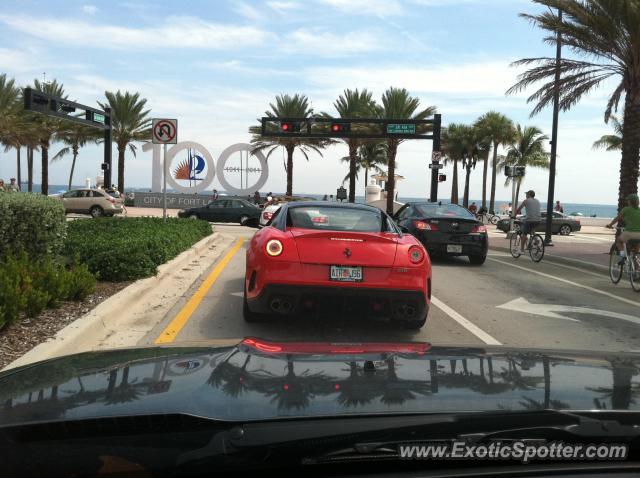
<point x="170" y="333"/>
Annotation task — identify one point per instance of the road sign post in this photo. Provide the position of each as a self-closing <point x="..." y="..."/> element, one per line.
<point x="436" y="155"/>
<point x="164" y="131"/>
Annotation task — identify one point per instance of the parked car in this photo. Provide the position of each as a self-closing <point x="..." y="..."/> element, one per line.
<point x="561" y="224"/>
<point x="225" y="210"/>
<point x="445" y="229"/>
<point x="329" y="259"/>
<point x="269" y="211"/>
<point x="95" y="202"/>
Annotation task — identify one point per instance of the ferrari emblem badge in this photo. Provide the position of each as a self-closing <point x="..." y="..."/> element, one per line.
<point x="347" y="252"/>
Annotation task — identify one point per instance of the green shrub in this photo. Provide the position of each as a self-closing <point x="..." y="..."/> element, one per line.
<point x="32" y="223"/>
<point x="119" y="249"/>
<point x="31" y="286"/>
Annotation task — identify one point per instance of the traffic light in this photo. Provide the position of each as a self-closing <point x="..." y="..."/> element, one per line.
<point x="289" y="127"/>
<point x="340" y="127"/>
<point x="442" y="178"/>
<point x="514" y="171"/>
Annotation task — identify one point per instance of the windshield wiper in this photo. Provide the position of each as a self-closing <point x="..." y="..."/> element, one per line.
<point x="329" y="438"/>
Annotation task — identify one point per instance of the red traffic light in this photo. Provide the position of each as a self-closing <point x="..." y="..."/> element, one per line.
<point x="340" y="127"/>
<point x="289" y="127"/>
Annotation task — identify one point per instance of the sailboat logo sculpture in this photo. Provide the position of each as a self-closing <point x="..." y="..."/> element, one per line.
<point x="191" y="168"/>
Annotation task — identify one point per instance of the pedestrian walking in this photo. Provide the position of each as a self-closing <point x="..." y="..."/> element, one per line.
<point x="256" y="198"/>
<point x="473" y="209"/>
<point x="13" y="185"/>
<point x="2" y="188"/>
<point x="559" y="207"/>
<point x="325" y="198"/>
<point x="215" y="195"/>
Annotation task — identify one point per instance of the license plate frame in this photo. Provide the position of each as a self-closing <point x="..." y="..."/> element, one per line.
<point x="353" y="273"/>
<point x="454" y="248"/>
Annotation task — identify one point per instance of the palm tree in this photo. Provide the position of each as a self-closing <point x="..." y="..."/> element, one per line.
<point x="456" y="143"/>
<point x="47" y="128"/>
<point x="369" y="156"/>
<point x="287" y="106"/>
<point x="12" y="121"/>
<point x="75" y="136"/>
<point x="498" y="129"/>
<point x="611" y="142"/>
<point x="526" y="150"/>
<point x="130" y="122"/>
<point x="398" y="104"/>
<point x="354" y="104"/>
<point x="605" y="34"/>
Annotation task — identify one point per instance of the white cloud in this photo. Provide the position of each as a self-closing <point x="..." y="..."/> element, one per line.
<point x="247" y="11"/>
<point x="283" y="7"/>
<point x="176" y="32"/>
<point x="89" y="9"/>
<point x="486" y="78"/>
<point x="380" y="8"/>
<point x="327" y="44"/>
<point x="242" y="67"/>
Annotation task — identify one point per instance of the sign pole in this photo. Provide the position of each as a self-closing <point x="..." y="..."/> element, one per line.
<point x="513" y="203"/>
<point x="436" y="154"/>
<point x="164" y="183"/>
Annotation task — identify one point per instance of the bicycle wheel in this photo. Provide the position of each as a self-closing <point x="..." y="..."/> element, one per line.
<point x="494" y="219"/>
<point x="514" y="245"/>
<point x="615" y="267"/>
<point x="536" y="248"/>
<point x="634" y="272"/>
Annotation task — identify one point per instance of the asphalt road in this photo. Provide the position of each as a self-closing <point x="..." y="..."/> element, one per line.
<point x="506" y="301"/>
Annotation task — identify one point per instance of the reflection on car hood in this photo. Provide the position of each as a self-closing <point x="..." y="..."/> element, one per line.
<point x="264" y="380"/>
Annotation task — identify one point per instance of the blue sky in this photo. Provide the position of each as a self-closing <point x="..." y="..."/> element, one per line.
<point x="216" y="65"/>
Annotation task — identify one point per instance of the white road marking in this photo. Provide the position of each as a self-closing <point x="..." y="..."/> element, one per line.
<point x="547" y="310"/>
<point x="237" y="294"/>
<point x="566" y="281"/>
<point x="577" y="269"/>
<point x="474" y="329"/>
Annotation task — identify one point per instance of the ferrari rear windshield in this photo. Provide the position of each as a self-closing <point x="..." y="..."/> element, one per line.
<point x="336" y="219"/>
<point x="444" y="210"/>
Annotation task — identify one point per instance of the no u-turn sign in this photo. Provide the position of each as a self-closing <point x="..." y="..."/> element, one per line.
<point x="164" y="131"/>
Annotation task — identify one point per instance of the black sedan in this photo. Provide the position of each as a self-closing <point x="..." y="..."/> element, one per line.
<point x="561" y="224"/>
<point x="225" y="210"/>
<point x="445" y="229"/>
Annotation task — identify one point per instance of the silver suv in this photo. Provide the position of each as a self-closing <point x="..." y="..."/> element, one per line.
<point x="95" y="202"/>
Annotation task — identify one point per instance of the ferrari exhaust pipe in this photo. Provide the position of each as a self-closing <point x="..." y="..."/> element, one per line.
<point x="275" y="305"/>
<point x="281" y="306"/>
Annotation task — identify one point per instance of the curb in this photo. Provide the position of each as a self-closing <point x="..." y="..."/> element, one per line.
<point x="126" y="317"/>
<point x="564" y="260"/>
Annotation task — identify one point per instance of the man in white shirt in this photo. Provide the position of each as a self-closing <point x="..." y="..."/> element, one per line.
<point x="532" y="217"/>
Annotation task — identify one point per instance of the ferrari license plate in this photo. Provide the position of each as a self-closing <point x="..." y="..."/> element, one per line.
<point x="346" y="274"/>
<point x="455" y="248"/>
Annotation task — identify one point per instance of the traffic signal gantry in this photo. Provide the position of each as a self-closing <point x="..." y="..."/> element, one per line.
<point x="362" y="128"/>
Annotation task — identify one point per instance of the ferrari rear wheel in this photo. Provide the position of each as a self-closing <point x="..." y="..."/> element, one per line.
<point x="248" y="315"/>
<point x="414" y="324"/>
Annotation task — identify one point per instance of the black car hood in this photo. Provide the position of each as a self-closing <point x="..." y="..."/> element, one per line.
<point x="258" y="380"/>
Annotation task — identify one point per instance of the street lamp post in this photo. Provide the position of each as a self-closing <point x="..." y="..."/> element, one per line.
<point x="554" y="138"/>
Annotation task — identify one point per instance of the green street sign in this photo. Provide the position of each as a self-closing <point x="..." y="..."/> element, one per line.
<point x="401" y="128"/>
<point x="98" y="118"/>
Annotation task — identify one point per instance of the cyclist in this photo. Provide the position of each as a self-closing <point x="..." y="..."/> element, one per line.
<point x="631" y="217"/>
<point x="532" y="217"/>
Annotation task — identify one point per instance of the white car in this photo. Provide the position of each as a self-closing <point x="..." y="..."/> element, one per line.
<point x="267" y="214"/>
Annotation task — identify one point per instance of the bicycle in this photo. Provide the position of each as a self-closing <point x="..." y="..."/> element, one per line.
<point x="535" y="245"/>
<point x="629" y="264"/>
<point x="488" y="217"/>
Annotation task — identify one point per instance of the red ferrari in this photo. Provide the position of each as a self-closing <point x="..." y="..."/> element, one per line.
<point x="350" y="260"/>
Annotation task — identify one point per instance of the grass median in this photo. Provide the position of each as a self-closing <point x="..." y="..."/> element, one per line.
<point x="123" y="249"/>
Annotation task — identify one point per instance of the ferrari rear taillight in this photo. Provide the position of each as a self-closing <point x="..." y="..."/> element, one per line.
<point x="267" y="215"/>
<point x="479" y="228"/>
<point x="425" y="226"/>
<point x="274" y="247"/>
<point x="416" y="254"/>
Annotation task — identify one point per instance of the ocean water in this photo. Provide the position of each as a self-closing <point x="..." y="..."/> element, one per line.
<point x="587" y="210"/>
